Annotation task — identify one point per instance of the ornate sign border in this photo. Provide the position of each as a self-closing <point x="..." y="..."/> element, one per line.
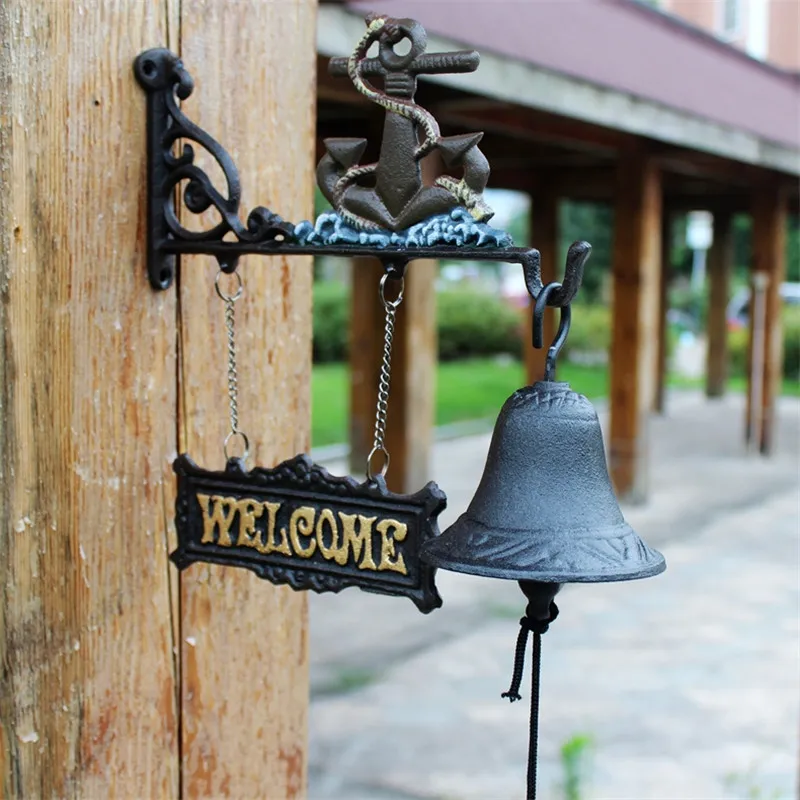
<point x="299" y="483"/>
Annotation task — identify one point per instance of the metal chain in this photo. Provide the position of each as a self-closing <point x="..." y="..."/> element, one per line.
<point x="378" y="444"/>
<point x="233" y="378"/>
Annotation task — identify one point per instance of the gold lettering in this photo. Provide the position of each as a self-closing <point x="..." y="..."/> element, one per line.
<point x="387" y="545"/>
<point x="273" y="546"/>
<point x="249" y="510"/>
<point x="301" y="523"/>
<point x="335" y="551"/>
<point x="223" y="510"/>
<point x="358" y="542"/>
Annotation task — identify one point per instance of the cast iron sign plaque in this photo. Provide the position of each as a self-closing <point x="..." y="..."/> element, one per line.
<point x="299" y="525"/>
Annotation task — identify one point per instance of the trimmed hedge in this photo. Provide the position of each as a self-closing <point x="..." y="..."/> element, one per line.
<point x="331" y="321"/>
<point x="470" y="325"/>
<point x="737" y="346"/>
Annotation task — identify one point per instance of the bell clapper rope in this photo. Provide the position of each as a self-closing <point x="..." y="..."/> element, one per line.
<point x="540" y="612"/>
<point x="233" y="379"/>
<point x="378" y="444"/>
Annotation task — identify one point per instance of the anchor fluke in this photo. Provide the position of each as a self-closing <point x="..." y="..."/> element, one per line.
<point x="346" y="151"/>
<point x="454" y="148"/>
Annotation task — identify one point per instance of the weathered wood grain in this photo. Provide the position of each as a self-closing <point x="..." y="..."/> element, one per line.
<point x="243" y="641"/>
<point x="87" y="424"/>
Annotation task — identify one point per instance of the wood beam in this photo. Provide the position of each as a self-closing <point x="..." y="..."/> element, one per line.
<point x="243" y="642"/>
<point x="589" y="183"/>
<point x="769" y="258"/>
<point x="720" y="266"/>
<point x="544" y="231"/>
<point x="527" y="123"/>
<point x="636" y="289"/>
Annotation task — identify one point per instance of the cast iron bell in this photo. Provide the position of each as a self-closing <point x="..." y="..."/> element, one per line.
<point x="545" y="513"/>
<point x="545" y="509"/>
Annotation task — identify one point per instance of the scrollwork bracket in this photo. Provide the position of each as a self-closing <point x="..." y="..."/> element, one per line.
<point x="176" y="184"/>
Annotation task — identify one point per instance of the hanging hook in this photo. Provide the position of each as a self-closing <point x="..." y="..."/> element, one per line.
<point x="577" y="256"/>
<point x="538" y="328"/>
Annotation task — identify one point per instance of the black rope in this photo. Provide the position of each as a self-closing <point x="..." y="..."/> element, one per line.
<point x="537" y="627"/>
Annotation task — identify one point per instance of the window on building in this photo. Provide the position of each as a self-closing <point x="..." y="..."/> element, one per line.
<point x="731" y="21"/>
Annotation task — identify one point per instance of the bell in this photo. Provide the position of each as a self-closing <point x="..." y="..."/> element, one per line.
<point x="545" y="513"/>
<point x="545" y="510"/>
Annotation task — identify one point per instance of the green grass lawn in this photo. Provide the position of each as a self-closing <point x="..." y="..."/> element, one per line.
<point x="465" y="390"/>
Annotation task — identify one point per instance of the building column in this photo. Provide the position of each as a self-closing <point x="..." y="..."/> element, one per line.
<point x="411" y="408"/>
<point x="544" y="237"/>
<point x="661" y="363"/>
<point x="766" y="346"/>
<point x="636" y="290"/>
<point x="720" y="259"/>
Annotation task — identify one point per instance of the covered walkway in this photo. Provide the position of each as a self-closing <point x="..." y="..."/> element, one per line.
<point x="686" y="684"/>
<point x="601" y="100"/>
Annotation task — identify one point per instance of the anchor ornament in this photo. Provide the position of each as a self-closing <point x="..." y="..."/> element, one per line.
<point x="398" y="198"/>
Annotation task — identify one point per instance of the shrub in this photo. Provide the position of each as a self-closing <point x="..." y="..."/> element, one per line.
<point x="472" y="324"/>
<point x="331" y="321"/>
<point x="737" y="346"/>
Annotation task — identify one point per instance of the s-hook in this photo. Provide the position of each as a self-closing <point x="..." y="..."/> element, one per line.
<point x="557" y="295"/>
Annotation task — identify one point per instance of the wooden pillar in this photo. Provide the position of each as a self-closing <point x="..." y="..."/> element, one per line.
<point x="636" y="289"/>
<point x="410" y="421"/>
<point x="243" y="642"/>
<point x="88" y="706"/>
<point x="662" y="358"/>
<point x="544" y="237"/>
<point x="366" y="347"/>
<point x="769" y="257"/>
<point x="720" y="264"/>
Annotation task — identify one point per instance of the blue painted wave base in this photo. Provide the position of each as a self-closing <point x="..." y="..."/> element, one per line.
<point x="456" y="229"/>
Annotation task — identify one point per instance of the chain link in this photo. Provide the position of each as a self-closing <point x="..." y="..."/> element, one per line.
<point x="233" y="378"/>
<point x="378" y="444"/>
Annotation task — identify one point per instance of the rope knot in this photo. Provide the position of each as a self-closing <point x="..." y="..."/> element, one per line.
<point x="527" y="625"/>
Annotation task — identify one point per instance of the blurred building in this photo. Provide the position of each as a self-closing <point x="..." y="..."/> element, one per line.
<point x="768" y="30"/>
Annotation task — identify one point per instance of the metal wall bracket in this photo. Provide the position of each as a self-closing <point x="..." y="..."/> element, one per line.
<point x="174" y="177"/>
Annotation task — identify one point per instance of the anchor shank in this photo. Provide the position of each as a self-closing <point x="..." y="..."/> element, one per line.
<point x="425" y="64"/>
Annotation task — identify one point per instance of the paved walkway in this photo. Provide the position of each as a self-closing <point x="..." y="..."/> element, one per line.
<point x="686" y="686"/>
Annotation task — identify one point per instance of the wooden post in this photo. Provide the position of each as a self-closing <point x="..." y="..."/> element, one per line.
<point x="366" y="347"/>
<point x="720" y="258"/>
<point x="410" y="421"/>
<point x="636" y="289"/>
<point x="243" y="641"/>
<point x="769" y="256"/>
<point x="662" y="358"/>
<point x="544" y="237"/>
<point x="88" y="706"/>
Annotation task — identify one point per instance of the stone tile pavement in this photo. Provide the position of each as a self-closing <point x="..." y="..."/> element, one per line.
<point x="686" y="686"/>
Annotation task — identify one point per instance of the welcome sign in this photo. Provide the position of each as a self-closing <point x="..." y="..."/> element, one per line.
<point x="299" y="525"/>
